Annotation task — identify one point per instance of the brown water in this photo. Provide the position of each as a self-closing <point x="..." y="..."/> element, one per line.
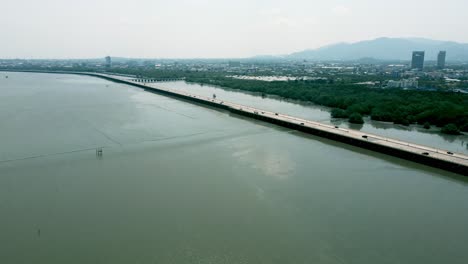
<point x="180" y="183"/>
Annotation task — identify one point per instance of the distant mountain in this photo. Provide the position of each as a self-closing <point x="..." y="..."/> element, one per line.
<point x="386" y="49"/>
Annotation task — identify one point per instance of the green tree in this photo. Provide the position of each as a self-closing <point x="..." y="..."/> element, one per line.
<point x="356" y="118"/>
<point x="451" y="129"/>
<point x="339" y="113"/>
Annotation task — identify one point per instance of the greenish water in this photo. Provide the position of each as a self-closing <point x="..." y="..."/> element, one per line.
<point x="414" y="133"/>
<point x="180" y="183"/>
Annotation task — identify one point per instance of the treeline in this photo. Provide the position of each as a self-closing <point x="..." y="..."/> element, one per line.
<point x="152" y="73"/>
<point x="442" y="109"/>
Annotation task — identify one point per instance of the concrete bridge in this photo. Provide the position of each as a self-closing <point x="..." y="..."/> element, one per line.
<point x="437" y="158"/>
<point x="154" y="80"/>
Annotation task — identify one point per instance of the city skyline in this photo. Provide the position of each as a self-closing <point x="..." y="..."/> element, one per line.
<point x="328" y="48"/>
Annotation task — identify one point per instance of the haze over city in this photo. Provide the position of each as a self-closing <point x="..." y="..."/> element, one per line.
<point x="233" y="132"/>
<point x="215" y="29"/>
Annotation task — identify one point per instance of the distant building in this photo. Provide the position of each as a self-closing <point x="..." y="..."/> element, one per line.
<point x="441" y="59"/>
<point x="417" y="61"/>
<point x="405" y="83"/>
<point x="396" y="74"/>
<point x="234" y="63"/>
<point x="108" y="62"/>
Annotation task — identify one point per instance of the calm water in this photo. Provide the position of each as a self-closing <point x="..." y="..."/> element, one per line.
<point x="313" y="112"/>
<point x="179" y="183"/>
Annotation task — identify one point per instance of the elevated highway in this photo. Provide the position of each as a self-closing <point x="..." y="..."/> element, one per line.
<point x="438" y="158"/>
<point x="443" y="159"/>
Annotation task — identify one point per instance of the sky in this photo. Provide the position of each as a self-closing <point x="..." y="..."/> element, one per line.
<point x="64" y="29"/>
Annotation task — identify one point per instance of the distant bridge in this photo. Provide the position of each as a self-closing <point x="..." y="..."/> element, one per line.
<point x="154" y="80"/>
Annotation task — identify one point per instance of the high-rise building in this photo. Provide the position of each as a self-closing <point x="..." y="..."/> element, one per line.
<point x="418" y="60"/>
<point x="441" y="59"/>
<point x="108" y="62"/>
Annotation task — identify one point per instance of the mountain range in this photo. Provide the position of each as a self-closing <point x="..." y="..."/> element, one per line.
<point x="385" y="49"/>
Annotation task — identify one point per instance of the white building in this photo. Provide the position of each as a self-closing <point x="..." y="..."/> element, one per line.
<point x="404" y="83"/>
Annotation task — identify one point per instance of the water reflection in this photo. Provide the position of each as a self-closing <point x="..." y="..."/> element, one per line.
<point x="193" y="185"/>
<point x="379" y="125"/>
<point x="386" y="125"/>
<point x="270" y="160"/>
<point x="356" y="126"/>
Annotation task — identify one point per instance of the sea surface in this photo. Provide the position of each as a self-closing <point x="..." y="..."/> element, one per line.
<point x="181" y="183"/>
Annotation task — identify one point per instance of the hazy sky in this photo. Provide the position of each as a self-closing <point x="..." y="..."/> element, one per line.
<point x="208" y="28"/>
